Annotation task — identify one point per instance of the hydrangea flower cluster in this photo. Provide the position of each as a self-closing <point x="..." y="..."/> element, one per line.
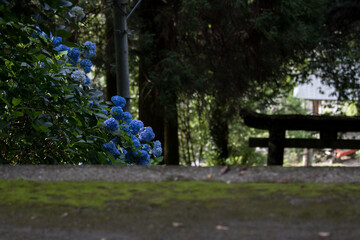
<point x="88" y="50"/>
<point x="121" y="125"/>
<point x="77" y="12"/>
<point x="75" y="54"/>
<point x="78" y="76"/>
<point x="86" y="65"/>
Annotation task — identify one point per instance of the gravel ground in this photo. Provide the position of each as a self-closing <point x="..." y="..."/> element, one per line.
<point x="236" y="174"/>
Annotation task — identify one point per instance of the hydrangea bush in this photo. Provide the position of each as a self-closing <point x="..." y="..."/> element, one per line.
<point x="49" y="112"/>
<point x="131" y="142"/>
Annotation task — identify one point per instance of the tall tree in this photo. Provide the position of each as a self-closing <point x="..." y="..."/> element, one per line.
<point x="157" y="91"/>
<point x="110" y="56"/>
<point x="245" y="47"/>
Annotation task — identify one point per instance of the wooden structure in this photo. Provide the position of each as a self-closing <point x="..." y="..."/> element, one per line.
<point x="327" y="126"/>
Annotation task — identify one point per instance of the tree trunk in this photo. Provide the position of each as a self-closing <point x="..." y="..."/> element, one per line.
<point x="150" y="111"/>
<point x="171" y="151"/>
<point x="161" y="115"/>
<point x="110" y="57"/>
<point x="219" y="131"/>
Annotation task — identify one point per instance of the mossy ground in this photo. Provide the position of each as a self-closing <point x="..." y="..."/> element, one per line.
<point x="104" y="204"/>
<point x="256" y="197"/>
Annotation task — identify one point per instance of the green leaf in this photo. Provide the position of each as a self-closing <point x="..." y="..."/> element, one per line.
<point x="17" y="114"/>
<point x="63" y="33"/>
<point x="45" y="124"/>
<point x="4" y="124"/>
<point x="69" y="44"/>
<point x="101" y="115"/>
<point x="40" y="57"/>
<point x="6" y="102"/>
<point x="74" y="26"/>
<point x="16" y="101"/>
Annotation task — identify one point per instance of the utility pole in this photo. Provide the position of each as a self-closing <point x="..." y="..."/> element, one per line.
<point x="121" y="51"/>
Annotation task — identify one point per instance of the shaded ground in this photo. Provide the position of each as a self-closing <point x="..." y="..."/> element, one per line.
<point x="178" y="210"/>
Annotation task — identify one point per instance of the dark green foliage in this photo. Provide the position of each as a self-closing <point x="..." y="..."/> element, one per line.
<point x="44" y="115"/>
<point x="244" y="49"/>
<point x="336" y="59"/>
<point x="244" y="45"/>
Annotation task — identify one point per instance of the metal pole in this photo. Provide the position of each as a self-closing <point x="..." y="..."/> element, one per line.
<point x="121" y="51"/>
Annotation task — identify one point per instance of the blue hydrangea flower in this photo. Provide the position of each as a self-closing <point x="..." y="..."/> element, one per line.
<point x="90" y="49"/>
<point x="39" y="32"/>
<point x="111" y="125"/>
<point x="128" y="155"/>
<point x="103" y="110"/>
<point x="135" y="141"/>
<point x="56" y="41"/>
<point x="117" y="112"/>
<point x="74" y="56"/>
<point x="157" y="144"/>
<point x="147" y="134"/>
<point x="157" y="150"/>
<point x="86" y="64"/>
<point x="111" y="148"/>
<point x="127" y="117"/>
<point x="118" y="101"/>
<point x="125" y="127"/>
<point x="78" y="76"/>
<point x="62" y="48"/>
<point x="146" y="147"/>
<point x="42" y="65"/>
<point x="136" y="126"/>
<point x="77" y="12"/>
<point x="87" y="80"/>
<point x="91" y="103"/>
<point x="143" y="158"/>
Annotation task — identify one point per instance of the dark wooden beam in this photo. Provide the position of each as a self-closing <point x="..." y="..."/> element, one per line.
<point x="307" y="143"/>
<point x="321" y="123"/>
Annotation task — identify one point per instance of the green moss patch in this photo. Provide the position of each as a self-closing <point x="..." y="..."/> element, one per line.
<point x="253" y="200"/>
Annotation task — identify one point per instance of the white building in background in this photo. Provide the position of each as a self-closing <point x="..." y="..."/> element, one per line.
<point x="315" y="92"/>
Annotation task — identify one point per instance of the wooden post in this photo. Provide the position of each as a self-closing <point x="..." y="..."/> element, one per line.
<point x="276" y="147"/>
